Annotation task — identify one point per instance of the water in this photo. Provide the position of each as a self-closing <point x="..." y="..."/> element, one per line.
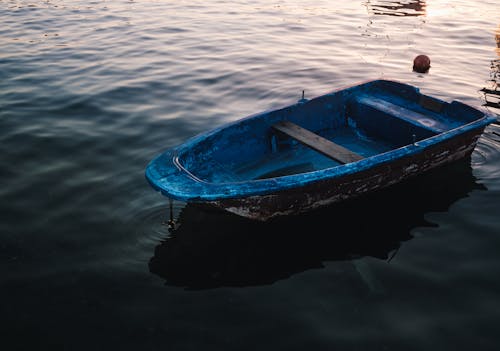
<point x="91" y="91"/>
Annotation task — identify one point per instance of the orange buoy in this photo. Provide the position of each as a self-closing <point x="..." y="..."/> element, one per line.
<point x="421" y="64"/>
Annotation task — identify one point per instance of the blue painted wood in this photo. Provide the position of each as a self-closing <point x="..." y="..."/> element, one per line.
<point x="431" y="122"/>
<point x="318" y="143"/>
<point x="247" y="168"/>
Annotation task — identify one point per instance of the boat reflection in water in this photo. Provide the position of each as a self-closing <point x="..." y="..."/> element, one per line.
<point x="397" y="8"/>
<point x="492" y="92"/>
<point x="210" y="249"/>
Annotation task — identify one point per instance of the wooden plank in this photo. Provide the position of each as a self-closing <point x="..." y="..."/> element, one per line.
<point x="429" y="122"/>
<point x="317" y="142"/>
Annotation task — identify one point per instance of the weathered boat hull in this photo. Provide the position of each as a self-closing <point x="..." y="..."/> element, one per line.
<point x="329" y="191"/>
<point x="320" y="151"/>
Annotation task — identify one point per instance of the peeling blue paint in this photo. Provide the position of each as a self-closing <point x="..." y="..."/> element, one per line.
<point x="384" y="121"/>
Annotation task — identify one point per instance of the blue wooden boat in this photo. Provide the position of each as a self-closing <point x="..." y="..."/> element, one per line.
<point x="319" y="151"/>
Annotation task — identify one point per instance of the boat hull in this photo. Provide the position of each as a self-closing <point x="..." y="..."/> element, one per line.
<point x="317" y="152"/>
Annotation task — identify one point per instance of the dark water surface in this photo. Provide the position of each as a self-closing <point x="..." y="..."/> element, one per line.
<point x="91" y="91"/>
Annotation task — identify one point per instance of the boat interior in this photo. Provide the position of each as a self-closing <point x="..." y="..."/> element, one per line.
<point x="324" y="132"/>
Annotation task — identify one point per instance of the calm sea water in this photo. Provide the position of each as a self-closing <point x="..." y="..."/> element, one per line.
<point x="91" y="91"/>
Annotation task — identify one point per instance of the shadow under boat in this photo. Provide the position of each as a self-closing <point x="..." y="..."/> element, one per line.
<point x="209" y="249"/>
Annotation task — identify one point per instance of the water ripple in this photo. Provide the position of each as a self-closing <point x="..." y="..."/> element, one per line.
<point x="90" y="92"/>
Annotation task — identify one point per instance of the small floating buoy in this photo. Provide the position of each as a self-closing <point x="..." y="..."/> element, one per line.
<point x="421" y="64"/>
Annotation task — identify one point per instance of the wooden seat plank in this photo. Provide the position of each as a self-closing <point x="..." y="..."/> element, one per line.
<point x="317" y="142"/>
<point x="428" y="121"/>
